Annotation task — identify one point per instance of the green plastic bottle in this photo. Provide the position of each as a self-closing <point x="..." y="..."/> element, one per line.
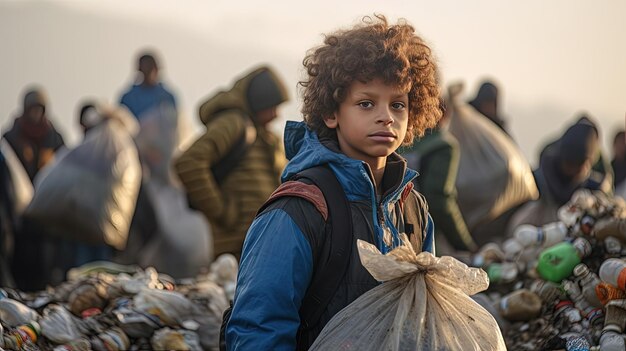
<point x="557" y="262"/>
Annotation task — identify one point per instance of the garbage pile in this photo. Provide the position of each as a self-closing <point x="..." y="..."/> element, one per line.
<point x="107" y="307"/>
<point x="562" y="286"/>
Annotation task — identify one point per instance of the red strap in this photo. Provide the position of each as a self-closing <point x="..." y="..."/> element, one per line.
<point x="308" y="192"/>
<point x="405" y="194"/>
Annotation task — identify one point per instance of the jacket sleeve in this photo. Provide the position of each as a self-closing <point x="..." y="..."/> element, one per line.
<point x="194" y="167"/>
<point x="439" y="178"/>
<point x="275" y="270"/>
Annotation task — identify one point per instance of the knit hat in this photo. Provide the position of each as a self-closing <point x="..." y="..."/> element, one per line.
<point x="265" y="90"/>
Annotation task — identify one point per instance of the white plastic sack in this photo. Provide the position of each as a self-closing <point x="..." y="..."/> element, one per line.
<point x="21" y="183"/>
<point x="424" y="304"/>
<point x="183" y="244"/>
<point x="493" y="176"/>
<point x="157" y="140"/>
<point x="89" y="195"/>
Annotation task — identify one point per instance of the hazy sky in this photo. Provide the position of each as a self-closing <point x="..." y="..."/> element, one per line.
<point x="552" y="59"/>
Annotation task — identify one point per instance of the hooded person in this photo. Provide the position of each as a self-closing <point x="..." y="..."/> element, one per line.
<point x="33" y="138"/>
<point x="231" y="170"/>
<point x="486" y="102"/>
<point x="573" y="162"/>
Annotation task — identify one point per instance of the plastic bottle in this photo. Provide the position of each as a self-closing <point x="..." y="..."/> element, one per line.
<point x="546" y="290"/>
<point x="557" y="262"/>
<point x="593" y="315"/>
<point x="489" y="253"/>
<point x="520" y="305"/>
<point x="613" y="271"/>
<point x="588" y="282"/>
<point x="607" y="292"/>
<point x="612" y="340"/>
<point x="505" y="272"/>
<point x="612" y="246"/>
<point x="587" y="222"/>
<point x="616" y="315"/>
<point x="566" y="310"/>
<point x="578" y="343"/>
<point x="615" y="227"/>
<point x="548" y="235"/>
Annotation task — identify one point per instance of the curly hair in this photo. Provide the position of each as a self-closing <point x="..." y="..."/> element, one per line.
<point x="372" y="49"/>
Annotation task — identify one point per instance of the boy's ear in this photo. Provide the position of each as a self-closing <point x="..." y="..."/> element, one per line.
<point x="331" y="121"/>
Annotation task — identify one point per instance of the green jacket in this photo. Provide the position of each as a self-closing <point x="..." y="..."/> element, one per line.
<point x="231" y="206"/>
<point x="436" y="158"/>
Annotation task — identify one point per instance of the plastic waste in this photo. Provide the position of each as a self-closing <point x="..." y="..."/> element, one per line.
<point x="423" y="304"/>
<point x="14" y="313"/>
<point x="566" y="309"/>
<point x="171" y="307"/>
<point x="610" y="226"/>
<point x="593" y="315"/>
<point x="505" y="272"/>
<point x="545" y="236"/>
<point x="489" y="253"/>
<point x="613" y="271"/>
<point x="578" y="343"/>
<point x="588" y="281"/>
<point x="58" y="325"/>
<point x="81" y="344"/>
<point x="616" y="315"/>
<point x="520" y="305"/>
<point x="612" y="341"/>
<point x="21" y="337"/>
<point x="86" y="296"/>
<point x="546" y="290"/>
<point x="169" y="339"/>
<point x="612" y="246"/>
<point x="557" y="262"/>
<point x="607" y="292"/>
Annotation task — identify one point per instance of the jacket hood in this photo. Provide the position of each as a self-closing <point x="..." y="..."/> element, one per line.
<point x="304" y="150"/>
<point x="260" y="84"/>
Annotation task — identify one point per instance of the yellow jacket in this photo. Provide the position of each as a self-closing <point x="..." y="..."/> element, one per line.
<point x="231" y="205"/>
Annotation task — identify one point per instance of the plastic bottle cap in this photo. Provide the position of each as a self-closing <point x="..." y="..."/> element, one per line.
<point x="581" y="269"/>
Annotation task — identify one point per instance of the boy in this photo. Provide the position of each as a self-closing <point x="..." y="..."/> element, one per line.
<point x="369" y="90"/>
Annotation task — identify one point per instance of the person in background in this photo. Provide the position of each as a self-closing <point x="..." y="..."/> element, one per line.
<point x="8" y="221"/>
<point x="33" y="137"/>
<point x="572" y="162"/>
<point x="35" y="142"/>
<point x="619" y="158"/>
<point x="236" y="134"/>
<point x="486" y="102"/>
<point x="436" y="158"/>
<point x="148" y="92"/>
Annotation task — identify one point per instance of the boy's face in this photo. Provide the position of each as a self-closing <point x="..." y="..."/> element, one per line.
<point x="371" y="122"/>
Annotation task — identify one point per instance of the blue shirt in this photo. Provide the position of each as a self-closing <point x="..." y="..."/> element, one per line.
<point x="140" y="98"/>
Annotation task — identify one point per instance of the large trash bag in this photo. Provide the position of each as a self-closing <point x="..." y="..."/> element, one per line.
<point x="22" y="187"/>
<point x="89" y="194"/>
<point x="183" y="244"/>
<point x="423" y="304"/>
<point x="157" y="140"/>
<point x="493" y="176"/>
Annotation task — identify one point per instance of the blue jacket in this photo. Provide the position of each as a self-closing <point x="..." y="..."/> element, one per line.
<point x="277" y="262"/>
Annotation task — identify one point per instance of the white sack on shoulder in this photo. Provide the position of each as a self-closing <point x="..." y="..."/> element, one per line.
<point x="424" y="304"/>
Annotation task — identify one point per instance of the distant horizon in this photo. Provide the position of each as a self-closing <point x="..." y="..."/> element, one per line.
<point x="552" y="60"/>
